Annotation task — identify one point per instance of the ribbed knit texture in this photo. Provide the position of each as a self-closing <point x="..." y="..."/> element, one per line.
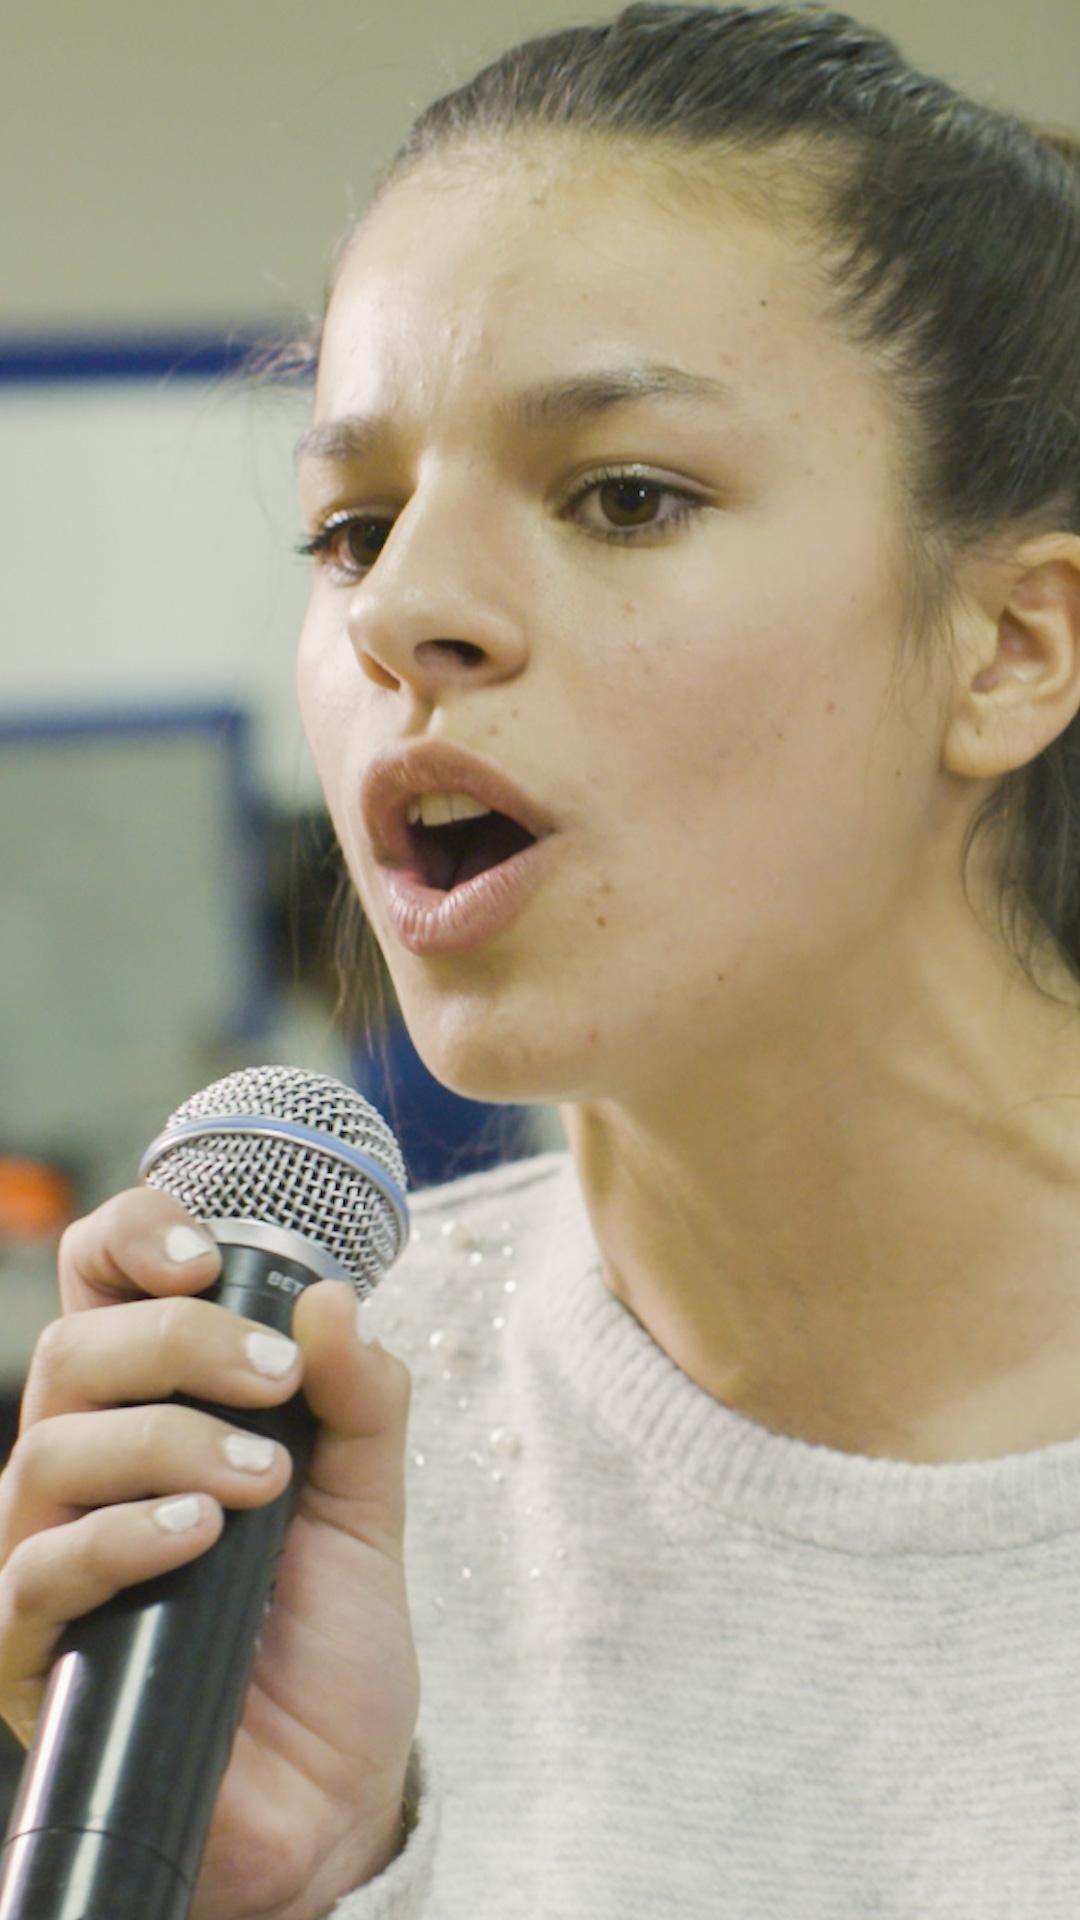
<point x="676" y="1665"/>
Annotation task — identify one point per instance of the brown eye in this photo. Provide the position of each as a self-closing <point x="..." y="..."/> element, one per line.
<point x="348" y="543"/>
<point x="618" y="505"/>
<point x="629" y="502"/>
<point x="354" y="545"/>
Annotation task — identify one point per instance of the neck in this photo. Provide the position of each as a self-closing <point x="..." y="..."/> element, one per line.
<point x="867" y="1236"/>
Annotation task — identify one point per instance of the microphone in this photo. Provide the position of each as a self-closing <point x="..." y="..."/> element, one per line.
<point x="298" y="1179"/>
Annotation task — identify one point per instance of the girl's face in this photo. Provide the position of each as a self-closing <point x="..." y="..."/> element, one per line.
<point x="692" y="678"/>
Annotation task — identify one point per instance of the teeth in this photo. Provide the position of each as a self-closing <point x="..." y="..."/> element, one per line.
<point x="438" y="809"/>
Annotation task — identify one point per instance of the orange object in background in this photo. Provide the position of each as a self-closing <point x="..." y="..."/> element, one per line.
<point x="36" y="1199"/>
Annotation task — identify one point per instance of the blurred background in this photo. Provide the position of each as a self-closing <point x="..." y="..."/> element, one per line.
<point x="173" y="181"/>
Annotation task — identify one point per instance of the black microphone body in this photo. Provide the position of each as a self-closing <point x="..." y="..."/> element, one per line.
<point x="146" y="1693"/>
<point x="298" y="1179"/>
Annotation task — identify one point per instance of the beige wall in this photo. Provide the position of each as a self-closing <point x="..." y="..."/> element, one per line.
<point x="193" y="163"/>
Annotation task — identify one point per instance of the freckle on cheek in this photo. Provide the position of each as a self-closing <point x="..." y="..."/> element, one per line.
<point x="600" y="921"/>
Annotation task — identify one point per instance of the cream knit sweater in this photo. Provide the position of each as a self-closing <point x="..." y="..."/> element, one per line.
<point x="676" y="1665"/>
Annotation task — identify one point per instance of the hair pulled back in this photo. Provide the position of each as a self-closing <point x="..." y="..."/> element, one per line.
<point x="951" y="235"/>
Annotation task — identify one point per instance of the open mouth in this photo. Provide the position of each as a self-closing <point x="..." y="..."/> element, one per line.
<point x="446" y="856"/>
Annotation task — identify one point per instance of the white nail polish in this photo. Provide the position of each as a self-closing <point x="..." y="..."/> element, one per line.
<point x="271" y="1354"/>
<point x="179" y="1516"/>
<point x="363" y="1327"/>
<point x="250" y="1451"/>
<point x="186" y="1243"/>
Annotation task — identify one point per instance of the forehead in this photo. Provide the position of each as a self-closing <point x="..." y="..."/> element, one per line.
<point x="489" y="267"/>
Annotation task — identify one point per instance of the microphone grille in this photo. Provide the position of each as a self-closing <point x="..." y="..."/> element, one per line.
<point x="292" y="1149"/>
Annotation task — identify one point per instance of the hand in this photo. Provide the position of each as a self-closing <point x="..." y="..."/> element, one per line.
<point x="310" y="1805"/>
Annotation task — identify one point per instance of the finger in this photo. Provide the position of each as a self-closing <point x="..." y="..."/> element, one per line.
<point x="146" y="1350"/>
<point x="138" y="1242"/>
<point x="62" y="1466"/>
<point x="58" y="1576"/>
<point x="360" y="1395"/>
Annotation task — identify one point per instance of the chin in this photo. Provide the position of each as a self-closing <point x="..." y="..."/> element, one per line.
<point x="477" y="1073"/>
<point x="472" y="1045"/>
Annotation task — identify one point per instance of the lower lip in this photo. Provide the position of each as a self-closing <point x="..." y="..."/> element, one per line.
<point x="427" y="921"/>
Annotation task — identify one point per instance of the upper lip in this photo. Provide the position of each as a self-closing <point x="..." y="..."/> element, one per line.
<point x="400" y="774"/>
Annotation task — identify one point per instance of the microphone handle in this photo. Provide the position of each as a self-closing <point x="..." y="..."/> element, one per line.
<point x="146" y="1693"/>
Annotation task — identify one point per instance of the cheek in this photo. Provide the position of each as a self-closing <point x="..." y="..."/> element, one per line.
<point x="775" y="671"/>
<point x="751" y="735"/>
<point x="325" y="688"/>
<point x="336" y="712"/>
<point x="307" y="673"/>
<point x="699" y="707"/>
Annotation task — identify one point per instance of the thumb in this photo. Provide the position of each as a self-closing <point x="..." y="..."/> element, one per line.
<point x="360" y="1395"/>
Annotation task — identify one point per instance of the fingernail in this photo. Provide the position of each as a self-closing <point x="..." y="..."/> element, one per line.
<point x="363" y="1329"/>
<point x="178" y="1516"/>
<point x="271" y="1353"/>
<point x="186" y="1243"/>
<point x="250" y="1451"/>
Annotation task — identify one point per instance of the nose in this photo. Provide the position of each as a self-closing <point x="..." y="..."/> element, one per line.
<point x="436" y="611"/>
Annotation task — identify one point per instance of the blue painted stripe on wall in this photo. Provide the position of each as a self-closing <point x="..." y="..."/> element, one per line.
<point x="39" y="358"/>
<point x="29" y="726"/>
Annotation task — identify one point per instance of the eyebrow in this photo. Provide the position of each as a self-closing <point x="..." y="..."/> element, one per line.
<point x="545" y="404"/>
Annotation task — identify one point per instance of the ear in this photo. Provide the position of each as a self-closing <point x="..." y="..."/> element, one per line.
<point x="1019" y="645"/>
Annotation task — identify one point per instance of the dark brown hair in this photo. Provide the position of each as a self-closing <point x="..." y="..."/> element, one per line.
<point x="951" y="235"/>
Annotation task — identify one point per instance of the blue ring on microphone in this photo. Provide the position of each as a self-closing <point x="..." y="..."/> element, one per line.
<point x="327" y="1143"/>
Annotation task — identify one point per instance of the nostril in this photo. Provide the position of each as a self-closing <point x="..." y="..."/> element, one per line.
<point x="466" y="651"/>
<point x="377" y="672"/>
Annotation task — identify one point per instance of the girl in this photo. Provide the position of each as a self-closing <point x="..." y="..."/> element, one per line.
<point x="694" y="482"/>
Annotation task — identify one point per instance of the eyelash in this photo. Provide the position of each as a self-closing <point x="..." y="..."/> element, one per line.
<point x="321" y="543"/>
